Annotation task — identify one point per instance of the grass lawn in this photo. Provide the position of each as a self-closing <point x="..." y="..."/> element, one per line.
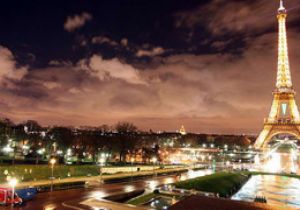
<point x="142" y="199"/>
<point x="42" y="172"/>
<point x="223" y="183"/>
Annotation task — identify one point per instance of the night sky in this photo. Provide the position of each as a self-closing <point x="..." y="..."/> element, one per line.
<point x="209" y="65"/>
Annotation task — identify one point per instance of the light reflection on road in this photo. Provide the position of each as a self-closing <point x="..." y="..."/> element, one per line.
<point x="129" y="188"/>
<point x="278" y="163"/>
<point x="278" y="190"/>
<point x="96" y="198"/>
<point x="55" y="200"/>
<point x="98" y="195"/>
<point x="50" y="207"/>
<point x="149" y="184"/>
<point x="193" y="174"/>
<point x="155" y="182"/>
<point x="152" y="184"/>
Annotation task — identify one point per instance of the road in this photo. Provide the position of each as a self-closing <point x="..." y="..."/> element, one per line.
<point x="71" y="199"/>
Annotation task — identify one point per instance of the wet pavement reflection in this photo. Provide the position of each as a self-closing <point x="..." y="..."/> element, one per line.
<point x="279" y="163"/>
<point x="56" y="200"/>
<point x="278" y="190"/>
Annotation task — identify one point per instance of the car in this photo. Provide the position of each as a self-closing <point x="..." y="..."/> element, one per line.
<point x="6" y="197"/>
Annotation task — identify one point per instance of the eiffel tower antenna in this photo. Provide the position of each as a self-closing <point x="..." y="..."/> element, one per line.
<point x="281" y="7"/>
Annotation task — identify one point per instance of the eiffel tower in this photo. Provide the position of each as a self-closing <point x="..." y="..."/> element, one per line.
<point x="284" y="116"/>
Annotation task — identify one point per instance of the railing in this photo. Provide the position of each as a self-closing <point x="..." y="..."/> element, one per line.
<point x="281" y="122"/>
<point x="284" y="90"/>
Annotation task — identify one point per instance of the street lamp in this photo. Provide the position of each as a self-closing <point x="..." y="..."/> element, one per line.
<point x="154" y="160"/>
<point x="101" y="163"/>
<point x="132" y="160"/>
<point x="52" y="162"/>
<point x="195" y="159"/>
<point x="13" y="182"/>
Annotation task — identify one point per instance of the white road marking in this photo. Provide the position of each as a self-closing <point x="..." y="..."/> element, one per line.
<point x="71" y="207"/>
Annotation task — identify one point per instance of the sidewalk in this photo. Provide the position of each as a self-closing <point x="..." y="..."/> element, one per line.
<point x="94" y="203"/>
<point x="93" y="178"/>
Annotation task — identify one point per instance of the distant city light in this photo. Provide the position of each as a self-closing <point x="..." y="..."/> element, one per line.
<point x="59" y="152"/>
<point x="7" y="149"/>
<point x="25" y="147"/>
<point x="69" y="152"/>
<point x="41" y="151"/>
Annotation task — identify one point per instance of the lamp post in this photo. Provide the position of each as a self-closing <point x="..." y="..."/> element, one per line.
<point x="195" y="160"/>
<point x="13" y="182"/>
<point x="132" y="160"/>
<point x="154" y="160"/>
<point x="52" y="162"/>
<point x="101" y="163"/>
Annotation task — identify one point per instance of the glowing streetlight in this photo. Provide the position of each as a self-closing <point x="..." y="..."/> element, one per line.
<point x="52" y="162"/>
<point x="102" y="162"/>
<point x="154" y="160"/>
<point x="132" y="160"/>
<point x="225" y="146"/>
<point x="13" y="182"/>
<point x="202" y="158"/>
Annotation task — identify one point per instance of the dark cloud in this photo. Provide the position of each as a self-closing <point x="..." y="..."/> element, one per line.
<point x="8" y="66"/>
<point x="234" y="16"/>
<point x="214" y="89"/>
<point x="150" y="53"/>
<point x="233" y="21"/>
<point x="203" y="87"/>
<point x="77" y="21"/>
<point x="103" y="40"/>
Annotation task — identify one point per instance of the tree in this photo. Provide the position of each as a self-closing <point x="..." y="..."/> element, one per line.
<point x="62" y="137"/>
<point x="32" y="126"/>
<point x="5" y="130"/>
<point x="30" y="130"/>
<point x="125" y="127"/>
<point x="126" y="133"/>
<point x="104" y="128"/>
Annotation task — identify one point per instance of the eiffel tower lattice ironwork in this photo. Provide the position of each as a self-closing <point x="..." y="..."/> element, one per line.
<point x="284" y="116"/>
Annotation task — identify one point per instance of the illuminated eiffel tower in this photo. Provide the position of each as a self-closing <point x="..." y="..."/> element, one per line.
<point x="284" y="116"/>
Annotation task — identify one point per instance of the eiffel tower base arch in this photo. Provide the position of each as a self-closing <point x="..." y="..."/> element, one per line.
<point x="269" y="131"/>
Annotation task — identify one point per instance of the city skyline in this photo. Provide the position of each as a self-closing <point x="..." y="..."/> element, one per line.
<point x="172" y="64"/>
<point x="162" y="104"/>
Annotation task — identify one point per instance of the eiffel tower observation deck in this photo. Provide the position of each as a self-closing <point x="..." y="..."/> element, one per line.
<point x="284" y="116"/>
